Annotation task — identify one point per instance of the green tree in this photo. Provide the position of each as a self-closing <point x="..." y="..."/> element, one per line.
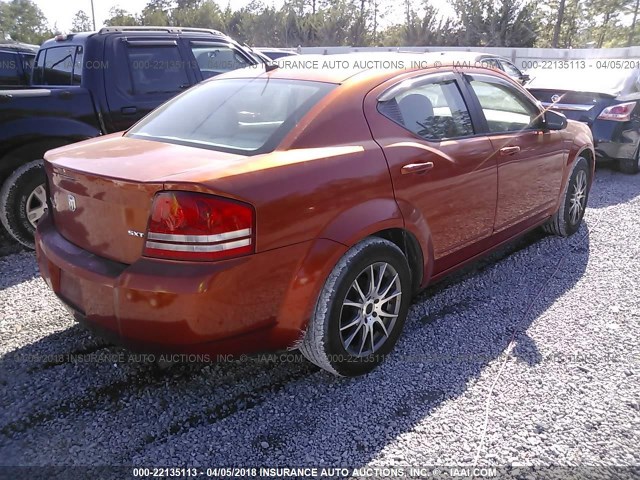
<point x="121" y="18"/>
<point x="81" y="22"/>
<point x="197" y="13"/>
<point x="635" y="6"/>
<point x="23" y="21"/>
<point x="261" y="25"/>
<point x="603" y="21"/>
<point x="558" y="24"/>
<point x="496" y="23"/>
<point x="560" y="27"/>
<point x="156" y="12"/>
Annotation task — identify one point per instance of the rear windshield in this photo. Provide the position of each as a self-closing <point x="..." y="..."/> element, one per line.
<point x="244" y="116"/>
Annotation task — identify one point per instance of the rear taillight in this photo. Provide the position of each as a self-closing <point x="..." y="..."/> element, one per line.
<point x="196" y="226"/>
<point x="618" y="113"/>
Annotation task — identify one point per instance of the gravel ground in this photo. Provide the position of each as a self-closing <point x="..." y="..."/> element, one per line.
<point x="528" y="358"/>
<point x="7" y="244"/>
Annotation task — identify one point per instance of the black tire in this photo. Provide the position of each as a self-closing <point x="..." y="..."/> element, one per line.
<point x="323" y="343"/>
<point x="630" y="166"/>
<point x="15" y="193"/>
<point x="562" y="223"/>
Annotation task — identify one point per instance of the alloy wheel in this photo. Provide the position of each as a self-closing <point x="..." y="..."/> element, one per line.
<point x="578" y="197"/>
<point x="370" y="309"/>
<point x="36" y="205"/>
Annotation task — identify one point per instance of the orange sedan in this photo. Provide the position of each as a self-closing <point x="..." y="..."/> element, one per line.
<point x="303" y="207"/>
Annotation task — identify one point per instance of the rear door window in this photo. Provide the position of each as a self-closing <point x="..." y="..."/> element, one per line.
<point x="57" y="66"/>
<point x="156" y="68"/>
<point x="433" y="110"/>
<point x="213" y="59"/>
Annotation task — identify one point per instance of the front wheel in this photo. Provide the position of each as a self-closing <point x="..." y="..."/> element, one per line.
<point x="361" y="309"/>
<point x="567" y="219"/>
<point x="23" y="202"/>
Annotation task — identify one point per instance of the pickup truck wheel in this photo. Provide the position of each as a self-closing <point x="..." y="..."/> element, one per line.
<point x="567" y="219"/>
<point x="23" y="202"/>
<point x="361" y="310"/>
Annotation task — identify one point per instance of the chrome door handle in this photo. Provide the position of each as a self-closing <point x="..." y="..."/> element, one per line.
<point x="504" y="151"/>
<point x="416" y="168"/>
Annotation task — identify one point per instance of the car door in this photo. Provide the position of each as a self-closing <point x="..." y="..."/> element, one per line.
<point x="530" y="160"/>
<point x="147" y="72"/>
<point x="441" y="169"/>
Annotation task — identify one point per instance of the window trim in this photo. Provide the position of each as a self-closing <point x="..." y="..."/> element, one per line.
<point x="467" y="77"/>
<point x="79" y="51"/>
<point x="428" y="78"/>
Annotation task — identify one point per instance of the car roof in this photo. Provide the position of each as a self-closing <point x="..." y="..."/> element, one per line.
<point x="341" y="67"/>
<point x="274" y="49"/>
<point x="19" y="47"/>
<point x="82" y="37"/>
<point x="457" y="55"/>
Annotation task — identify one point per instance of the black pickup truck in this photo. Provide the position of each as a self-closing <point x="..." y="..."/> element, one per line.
<point x="16" y="62"/>
<point x="90" y="84"/>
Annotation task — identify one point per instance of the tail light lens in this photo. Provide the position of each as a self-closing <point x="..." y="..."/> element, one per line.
<point x="196" y="226"/>
<point x="618" y="113"/>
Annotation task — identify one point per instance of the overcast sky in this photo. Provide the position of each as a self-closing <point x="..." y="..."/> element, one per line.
<point x="61" y="12"/>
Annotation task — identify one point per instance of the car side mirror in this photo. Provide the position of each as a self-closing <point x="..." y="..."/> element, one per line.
<point x="524" y="78"/>
<point x="554" y="120"/>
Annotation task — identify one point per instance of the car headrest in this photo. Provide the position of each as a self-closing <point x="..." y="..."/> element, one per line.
<point x="415" y="109"/>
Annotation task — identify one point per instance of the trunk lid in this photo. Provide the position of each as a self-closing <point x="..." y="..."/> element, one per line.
<point x="581" y="106"/>
<point x="101" y="190"/>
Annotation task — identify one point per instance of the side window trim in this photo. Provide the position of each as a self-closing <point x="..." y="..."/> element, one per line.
<point x="466" y="79"/>
<point x="38" y="67"/>
<point x="420" y="80"/>
<point x="413" y="82"/>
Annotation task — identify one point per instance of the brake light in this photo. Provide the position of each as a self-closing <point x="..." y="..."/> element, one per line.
<point x="197" y="226"/>
<point x="618" y="113"/>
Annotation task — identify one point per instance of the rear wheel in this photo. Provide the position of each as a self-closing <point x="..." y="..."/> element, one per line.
<point x="23" y="201"/>
<point x="567" y="219"/>
<point x="361" y="309"/>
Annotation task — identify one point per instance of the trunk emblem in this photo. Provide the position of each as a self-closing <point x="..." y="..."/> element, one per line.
<point x="72" y="202"/>
<point x="133" y="233"/>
